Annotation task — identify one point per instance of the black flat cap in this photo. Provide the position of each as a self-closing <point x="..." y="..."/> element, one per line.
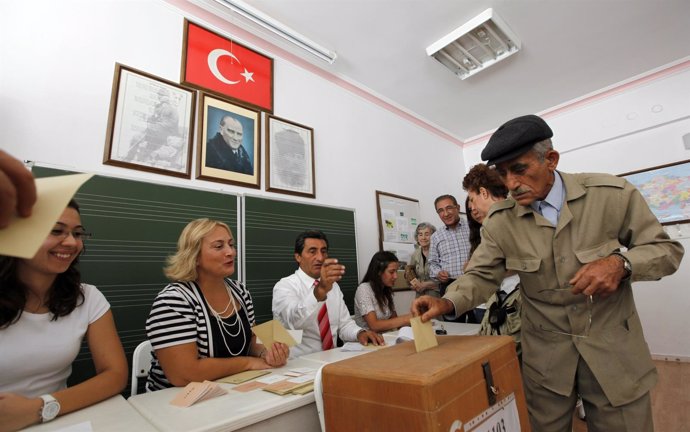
<point x="515" y="137"/>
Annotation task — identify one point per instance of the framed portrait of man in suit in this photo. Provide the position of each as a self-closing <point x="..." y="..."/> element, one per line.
<point x="229" y="143"/>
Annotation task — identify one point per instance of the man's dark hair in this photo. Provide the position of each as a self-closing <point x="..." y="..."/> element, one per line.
<point x="442" y="197"/>
<point x="313" y="234"/>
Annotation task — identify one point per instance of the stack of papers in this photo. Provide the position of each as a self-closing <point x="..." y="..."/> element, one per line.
<point x="196" y="392"/>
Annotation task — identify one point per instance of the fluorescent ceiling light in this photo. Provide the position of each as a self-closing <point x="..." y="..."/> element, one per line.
<point x="483" y="41"/>
<point x="243" y="9"/>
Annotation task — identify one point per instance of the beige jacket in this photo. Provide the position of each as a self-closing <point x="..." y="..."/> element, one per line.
<point x="601" y="214"/>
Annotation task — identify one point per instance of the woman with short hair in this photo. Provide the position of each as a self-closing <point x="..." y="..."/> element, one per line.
<point x="417" y="270"/>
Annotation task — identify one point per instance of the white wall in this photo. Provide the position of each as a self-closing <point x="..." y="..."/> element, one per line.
<point x="56" y="75"/>
<point x="638" y="128"/>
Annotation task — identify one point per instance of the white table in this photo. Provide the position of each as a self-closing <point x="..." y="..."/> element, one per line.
<point x="256" y="410"/>
<point x="111" y="415"/>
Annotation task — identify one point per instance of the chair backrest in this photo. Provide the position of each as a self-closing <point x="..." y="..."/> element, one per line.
<point x="141" y="362"/>
<point x="318" y="396"/>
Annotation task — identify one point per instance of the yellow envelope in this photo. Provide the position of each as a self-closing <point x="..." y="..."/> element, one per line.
<point x="24" y="236"/>
<point x="424" y="337"/>
<point x="273" y="331"/>
<point x="241" y="377"/>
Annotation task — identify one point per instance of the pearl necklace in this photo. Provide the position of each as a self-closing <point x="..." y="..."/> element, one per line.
<point x="226" y="328"/>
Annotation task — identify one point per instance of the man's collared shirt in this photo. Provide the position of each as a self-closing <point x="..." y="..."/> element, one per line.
<point x="449" y="250"/>
<point x="295" y="306"/>
<point x="554" y="199"/>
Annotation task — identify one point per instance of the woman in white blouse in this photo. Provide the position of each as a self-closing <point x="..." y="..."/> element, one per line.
<point x="45" y="313"/>
<point x="374" y="307"/>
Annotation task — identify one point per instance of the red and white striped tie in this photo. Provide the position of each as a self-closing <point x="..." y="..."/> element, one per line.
<point x="324" y="326"/>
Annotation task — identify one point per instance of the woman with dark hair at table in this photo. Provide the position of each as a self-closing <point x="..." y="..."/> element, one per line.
<point x="45" y="313"/>
<point x="374" y="307"/>
<point x="200" y="324"/>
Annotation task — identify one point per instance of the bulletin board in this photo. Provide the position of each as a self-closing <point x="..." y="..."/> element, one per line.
<point x="398" y="218"/>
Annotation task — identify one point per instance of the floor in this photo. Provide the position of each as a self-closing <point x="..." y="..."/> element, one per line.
<point x="670" y="398"/>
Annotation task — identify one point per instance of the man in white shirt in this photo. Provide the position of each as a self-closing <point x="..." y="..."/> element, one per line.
<point x="298" y="299"/>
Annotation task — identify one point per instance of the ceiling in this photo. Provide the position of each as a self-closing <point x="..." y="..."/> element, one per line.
<point x="570" y="48"/>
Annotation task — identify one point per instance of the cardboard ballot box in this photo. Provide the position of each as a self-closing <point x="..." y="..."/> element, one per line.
<point x="466" y="383"/>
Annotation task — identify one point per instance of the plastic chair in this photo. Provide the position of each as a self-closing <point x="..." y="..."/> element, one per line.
<point x="141" y="362"/>
<point x="318" y="396"/>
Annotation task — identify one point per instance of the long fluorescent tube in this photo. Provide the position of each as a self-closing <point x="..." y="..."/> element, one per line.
<point x="241" y="8"/>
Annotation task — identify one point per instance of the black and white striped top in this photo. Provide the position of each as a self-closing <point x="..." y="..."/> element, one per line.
<point x="180" y="315"/>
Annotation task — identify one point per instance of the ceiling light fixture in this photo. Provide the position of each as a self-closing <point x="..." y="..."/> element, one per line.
<point x="483" y="41"/>
<point x="248" y="12"/>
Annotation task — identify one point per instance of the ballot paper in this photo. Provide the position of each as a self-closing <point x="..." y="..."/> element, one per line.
<point x="424" y="337"/>
<point x="273" y="331"/>
<point x="196" y="392"/>
<point x="245" y="376"/>
<point x="24" y="236"/>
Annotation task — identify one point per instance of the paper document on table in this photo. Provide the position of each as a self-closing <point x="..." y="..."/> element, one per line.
<point x="245" y="376"/>
<point x="404" y="334"/>
<point x="24" y="236"/>
<point x="196" y="392"/>
<point x="273" y="331"/>
<point x="424" y="337"/>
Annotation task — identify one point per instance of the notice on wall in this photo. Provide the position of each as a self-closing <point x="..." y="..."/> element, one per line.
<point x="398" y="220"/>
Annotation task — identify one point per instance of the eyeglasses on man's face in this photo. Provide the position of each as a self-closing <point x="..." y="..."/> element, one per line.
<point x="78" y="234"/>
<point x="447" y="209"/>
<point x="589" y="301"/>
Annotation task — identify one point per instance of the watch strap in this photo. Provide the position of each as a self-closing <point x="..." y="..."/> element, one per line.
<point x="49" y="409"/>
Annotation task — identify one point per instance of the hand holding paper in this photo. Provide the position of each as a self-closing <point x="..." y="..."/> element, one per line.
<point x="424" y="337"/>
<point x="24" y="236"/>
<point x="273" y="331"/>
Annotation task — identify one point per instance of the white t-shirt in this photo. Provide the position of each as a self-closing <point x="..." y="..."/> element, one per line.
<point x="37" y="353"/>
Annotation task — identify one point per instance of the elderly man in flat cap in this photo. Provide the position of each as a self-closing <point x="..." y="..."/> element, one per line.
<point x="577" y="241"/>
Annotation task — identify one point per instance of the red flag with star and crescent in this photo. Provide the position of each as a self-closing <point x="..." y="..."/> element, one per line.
<point x="223" y="66"/>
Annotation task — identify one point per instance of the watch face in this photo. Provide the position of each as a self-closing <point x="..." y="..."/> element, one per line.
<point x="50" y="410"/>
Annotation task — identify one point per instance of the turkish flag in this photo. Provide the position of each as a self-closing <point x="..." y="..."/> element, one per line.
<point x="223" y="66"/>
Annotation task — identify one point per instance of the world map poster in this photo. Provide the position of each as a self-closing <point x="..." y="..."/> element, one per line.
<point x="666" y="189"/>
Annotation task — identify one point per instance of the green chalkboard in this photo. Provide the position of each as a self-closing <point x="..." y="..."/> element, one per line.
<point x="270" y="229"/>
<point x="136" y="226"/>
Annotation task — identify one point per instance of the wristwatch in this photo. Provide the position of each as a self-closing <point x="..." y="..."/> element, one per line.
<point x="50" y="409"/>
<point x="627" y="267"/>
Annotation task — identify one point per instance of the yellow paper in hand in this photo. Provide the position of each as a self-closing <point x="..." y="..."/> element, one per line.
<point x="24" y="236"/>
<point x="424" y="337"/>
<point x="273" y="331"/>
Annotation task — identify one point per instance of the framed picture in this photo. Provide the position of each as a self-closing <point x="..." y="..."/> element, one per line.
<point x="150" y="124"/>
<point x="229" y="137"/>
<point x="290" y="158"/>
<point x="666" y="188"/>
<point x="398" y="220"/>
<point x="219" y="65"/>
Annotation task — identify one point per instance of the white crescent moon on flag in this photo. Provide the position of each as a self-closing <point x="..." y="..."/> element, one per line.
<point x="213" y="57"/>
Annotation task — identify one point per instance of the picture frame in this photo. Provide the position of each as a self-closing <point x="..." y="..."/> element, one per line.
<point x="289" y="157"/>
<point x="229" y="138"/>
<point x="665" y="188"/>
<point x="398" y="218"/>
<point x="150" y="124"/>
<point x="218" y="65"/>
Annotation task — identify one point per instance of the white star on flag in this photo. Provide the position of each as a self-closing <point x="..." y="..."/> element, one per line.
<point x="247" y="75"/>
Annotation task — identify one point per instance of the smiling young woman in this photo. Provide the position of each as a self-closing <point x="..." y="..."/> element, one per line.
<point x="45" y="312"/>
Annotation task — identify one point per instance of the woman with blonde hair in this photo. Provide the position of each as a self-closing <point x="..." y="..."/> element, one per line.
<point x="200" y="323"/>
